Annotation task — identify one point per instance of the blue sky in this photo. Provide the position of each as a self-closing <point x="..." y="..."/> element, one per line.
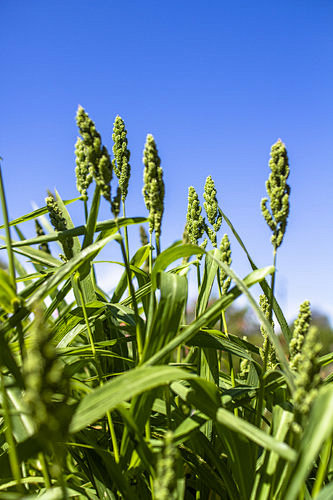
<point x="216" y="83"/>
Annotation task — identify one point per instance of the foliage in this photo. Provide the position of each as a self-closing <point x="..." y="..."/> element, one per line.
<point x="131" y="396"/>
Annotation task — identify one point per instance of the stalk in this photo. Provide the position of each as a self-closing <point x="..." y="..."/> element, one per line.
<point x="45" y="472"/>
<point x="125" y="232"/>
<point x="93" y="349"/>
<point x="324" y="461"/>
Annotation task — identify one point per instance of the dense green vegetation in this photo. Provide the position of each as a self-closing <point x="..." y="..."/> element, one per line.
<point x="133" y="395"/>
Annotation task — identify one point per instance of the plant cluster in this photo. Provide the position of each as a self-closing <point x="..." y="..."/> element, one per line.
<point x="124" y="395"/>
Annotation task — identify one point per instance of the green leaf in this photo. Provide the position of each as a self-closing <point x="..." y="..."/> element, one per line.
<point x="68" y="269"/>
<point x="137" y="260"/>
<point x="120" y="389"/>
<point x="210" y="315"/>
<point x="170" y="255"/>
<point x="254" y="434"/>
<point x="264" y="285"/>
<point x="168" y="313"/>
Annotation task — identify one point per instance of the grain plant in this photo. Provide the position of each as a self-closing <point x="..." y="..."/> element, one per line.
<point x="127" y="395"/>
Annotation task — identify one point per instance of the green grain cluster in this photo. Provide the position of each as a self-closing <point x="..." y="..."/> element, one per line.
<point x="276" y="214"/>
<point x="96" y="154"/>
<point x="225" y="280"/>
<point x="195" y="223"/>
<point x="121" y="154"/>
<point x="83" y="170"/>
<point x="212" y="211"/>
<point x="59" y="223"/>
<point x="153" y="185"/>
<point x="267" y="351"/>
<point x="301" y="328"/>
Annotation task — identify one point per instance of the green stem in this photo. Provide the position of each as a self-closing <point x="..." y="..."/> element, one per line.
<point x="13" y="458"/>
<point x="150" y="254"/>
<point x="324" y="461"/>
<point x="231" y="366"/>
<point x="125" y="232"/>
<point x="45" y="472"/>
<point x="11" y="265"/>
<point x="93" y="349"/>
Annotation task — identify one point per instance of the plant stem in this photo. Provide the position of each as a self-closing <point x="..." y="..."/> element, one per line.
<point x="125" y="232"/>
<point x="93" y="349"/>
<point x="45" y="472"/>
<point x="324" y="461"/>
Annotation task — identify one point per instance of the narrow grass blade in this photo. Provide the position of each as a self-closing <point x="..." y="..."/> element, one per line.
<point x="121" y="389"/>
<point x="210" y="315"/>
<point x="264" y="285"/>
<point x="68" y="269"/>
<point x="35" y="214"/>
<point x="107" y="228"/>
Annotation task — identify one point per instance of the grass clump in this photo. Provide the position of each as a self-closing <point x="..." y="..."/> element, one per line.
<point x="128" y="396"/>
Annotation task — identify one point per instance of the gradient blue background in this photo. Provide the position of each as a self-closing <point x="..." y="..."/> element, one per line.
<point x="217" y="83"/>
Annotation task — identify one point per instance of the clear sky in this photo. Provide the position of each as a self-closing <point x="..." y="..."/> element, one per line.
<point x="216" y="83"/>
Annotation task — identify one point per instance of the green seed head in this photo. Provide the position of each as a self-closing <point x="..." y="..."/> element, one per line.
<point x="195" y="223"/>
<point x="59" y="224"/>
<point x="225" y="280"/>
<point x="96" y="154"/>
<point x="267" y="346"/>
<point x="307" y="378"/>
<point x="278" y="193"/>
<point x="301" y="328"/>
<point x="211" y="208"/>
<point x="83" y="168"/>
<point x="153" y="185"/>
<point x="120" y="163"/>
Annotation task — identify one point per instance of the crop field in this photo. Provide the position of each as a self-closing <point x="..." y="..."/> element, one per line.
<point x="131" y="395"/>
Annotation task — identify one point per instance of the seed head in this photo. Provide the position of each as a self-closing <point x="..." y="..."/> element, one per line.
<point x="59" y="224"/>
<point x="153" y="185"/>
<point x="195" y="223"/>
<point x="267" y="346"/>
<point x="120" y="162"/>
<point x="307" y="378"/>
<point x="278" y="192"/>
<point x="301" y="328"/>
<point x="97" y="155"/>
<point x="83" y="170"/>
<point x="225" y="280"/>
<point x="211" y="208"/>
